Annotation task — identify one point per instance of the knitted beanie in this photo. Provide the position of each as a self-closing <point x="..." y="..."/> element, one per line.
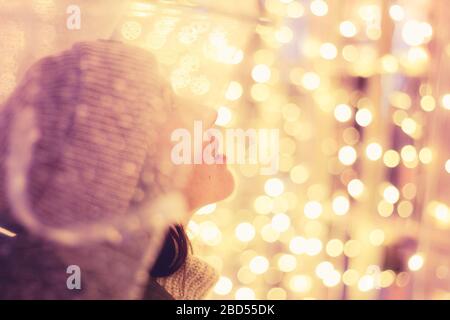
<point x="81" y="177"/>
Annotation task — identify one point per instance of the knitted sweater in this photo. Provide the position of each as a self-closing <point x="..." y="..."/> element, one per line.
<point x="193" y="281"/>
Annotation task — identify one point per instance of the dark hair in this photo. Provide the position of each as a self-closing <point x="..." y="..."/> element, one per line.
<point x="173" y="253"/>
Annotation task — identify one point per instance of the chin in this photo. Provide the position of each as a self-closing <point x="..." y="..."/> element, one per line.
<point x="209" y="184"/>
<point x="226" y="186"/>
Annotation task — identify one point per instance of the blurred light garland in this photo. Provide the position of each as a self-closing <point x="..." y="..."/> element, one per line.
<point x="351" y="217"/>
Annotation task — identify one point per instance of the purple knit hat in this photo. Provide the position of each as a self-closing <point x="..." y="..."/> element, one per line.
<point x="81" y="178"/>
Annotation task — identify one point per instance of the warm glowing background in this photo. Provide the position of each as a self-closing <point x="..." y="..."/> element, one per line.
<point x="360" y="90"/>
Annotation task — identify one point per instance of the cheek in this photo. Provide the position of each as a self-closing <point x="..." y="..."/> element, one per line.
<point x="208" y="184"/>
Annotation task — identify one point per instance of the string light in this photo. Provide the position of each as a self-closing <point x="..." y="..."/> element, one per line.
<point x="415" y="262"/>
<point x="377" y="237"/>
<point x="281" y="222"/>
<point x="363" y="117"/>
<point x="374" y="151"/>
<point x="332" y="279"/>
<point x="391" y="194"/>
<point x="261" y="73"/>
<point x="245" y="232"/>
<point x="300" y="283"/>
<point x="334" y="247"/>
<point x="391" y="158"/>
<point x="347" y="155"/>
<point x="415" y="33"/>
<point x="343" y="113"/>
<point x="446" y="101"/>
<point x="428" y="103"/>
<point x="405" y="209"/>
<point x="295" y="9"/>
<point x="299" y="174"/>
<point x="297" y="245"/>
<point x="323" y="269"/>
<point x="259" y="265"/>
<point x="234" y="91"/>
<point x="274" y="187"/>
<point x="340" y="205"/>
<point x="245" y="294"/>
<point x="397" y="12"/>
<point x="347" y="29"/>
<point x="287" y="263"/>
<point x="328" y="51"/>
<point x="284" y="35"/>
<point x="223" y="286"/>
<point x="312" y="209"/>
<point x="311" y="81"/>
<point x="224" y="116"/>
<point x="319" y="8"/>
<point x="355" y="188"/>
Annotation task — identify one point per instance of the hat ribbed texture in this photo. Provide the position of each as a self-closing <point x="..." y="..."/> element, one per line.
<point x="98" y="109"/>
<point x="94" y="113"/>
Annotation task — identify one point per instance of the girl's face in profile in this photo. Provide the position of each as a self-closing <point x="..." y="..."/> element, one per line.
<point x="208" y="183"/>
